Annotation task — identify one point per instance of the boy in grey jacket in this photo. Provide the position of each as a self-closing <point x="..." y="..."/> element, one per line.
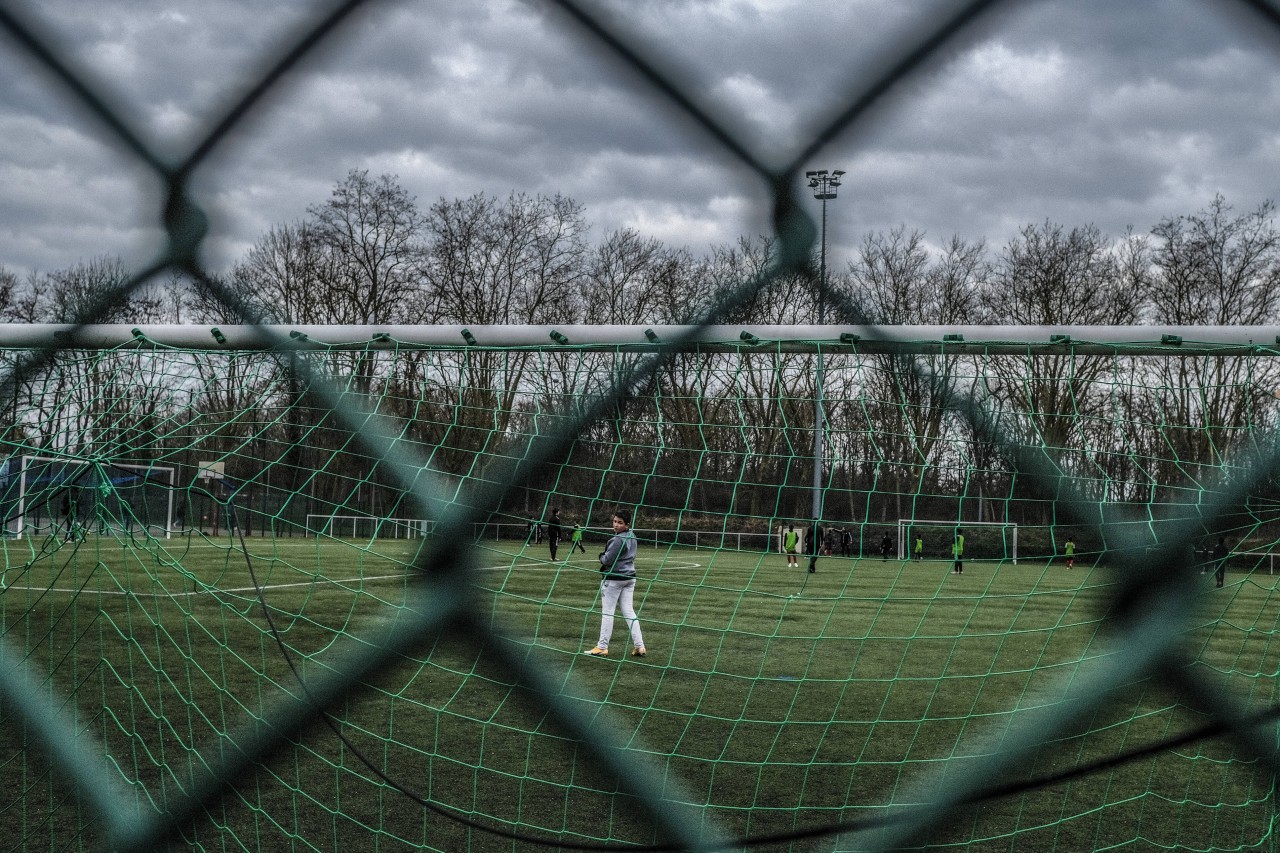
<point x="618" y="586"/>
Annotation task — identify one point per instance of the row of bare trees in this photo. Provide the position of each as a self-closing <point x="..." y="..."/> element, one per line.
<point x="722" y="434"/>
<point x="369" y="254"/>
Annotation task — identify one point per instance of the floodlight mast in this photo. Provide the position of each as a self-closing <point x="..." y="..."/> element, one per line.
<point x="823" y="184"/>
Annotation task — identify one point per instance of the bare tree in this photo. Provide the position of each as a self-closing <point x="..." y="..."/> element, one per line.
<point x="895" y="280"/>
<point x="1214" y="267"/>
<point x="10" y="294"/>
<point x="356" y="260"/>
<point x="517" y="261"/>
<point x="492" y="262"/>
<point x="375" y="232"/>
<point x="1050" y="276"/>
<point x="956" y="279"/>
<point x="78" y="292"/>
<point x="28" y="302"/>
<point x="288" y="276"/>
<point x="79" y="392"/>
<point x="766" y="397"/>
<point x="889" y="276"/>
<point x="632" y="279"/>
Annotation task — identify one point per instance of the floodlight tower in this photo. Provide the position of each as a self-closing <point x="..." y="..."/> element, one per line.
<point x="823" y="184"/>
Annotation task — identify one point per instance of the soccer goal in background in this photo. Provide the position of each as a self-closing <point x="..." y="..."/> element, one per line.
<point x="773" y="703"/>
<point x="43" y="495"/>
<point x="983" y="540"/>
<point x="365" y="527"/>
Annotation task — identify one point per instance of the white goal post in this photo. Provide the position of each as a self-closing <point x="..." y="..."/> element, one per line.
<point x="947" y="527"/>
<point x="67" y="495"/>
<point x="367" y="527"/>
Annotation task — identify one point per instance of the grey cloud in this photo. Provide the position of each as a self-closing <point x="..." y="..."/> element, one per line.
<point x="1143" y="112"/>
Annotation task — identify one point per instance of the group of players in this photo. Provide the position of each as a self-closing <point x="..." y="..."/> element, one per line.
<point x="618" y="572"/>
<point x="553" y="531"/>
<point x="825" y="541"/>
<point x="793" y="543"/>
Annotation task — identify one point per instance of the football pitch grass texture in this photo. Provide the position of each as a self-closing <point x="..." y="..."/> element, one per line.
<point x="772" y="699"/>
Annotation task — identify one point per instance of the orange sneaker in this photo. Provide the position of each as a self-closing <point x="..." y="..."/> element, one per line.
<point x="639" y="652"/>
<point x="597" y="652"/>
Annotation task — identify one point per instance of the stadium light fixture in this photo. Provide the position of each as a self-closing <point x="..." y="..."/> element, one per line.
<point x="824" y="183"/>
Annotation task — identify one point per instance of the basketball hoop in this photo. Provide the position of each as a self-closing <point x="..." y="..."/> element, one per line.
<point x="211" y="470"/>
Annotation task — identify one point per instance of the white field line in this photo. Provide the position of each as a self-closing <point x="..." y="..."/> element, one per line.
<point x="358" y="579"/>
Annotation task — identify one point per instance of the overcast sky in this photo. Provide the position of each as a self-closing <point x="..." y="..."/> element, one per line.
<point x="1114" y="113"/>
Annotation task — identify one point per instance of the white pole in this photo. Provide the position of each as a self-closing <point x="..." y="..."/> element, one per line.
<point x="959" y="339"/>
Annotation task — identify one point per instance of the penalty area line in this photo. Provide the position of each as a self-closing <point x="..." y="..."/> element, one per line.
<point x="211" y="590"/>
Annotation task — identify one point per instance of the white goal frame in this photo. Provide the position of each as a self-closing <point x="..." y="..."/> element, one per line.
<point x="19" y="523"/>
<point x="367" y="526"/>
<point x="905" y="525"/>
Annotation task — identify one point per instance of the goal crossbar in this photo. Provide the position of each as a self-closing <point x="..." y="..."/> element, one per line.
<point x="957" y="339"/>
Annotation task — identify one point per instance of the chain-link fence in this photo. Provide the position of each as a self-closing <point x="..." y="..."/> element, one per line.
<point x="1148" y="614"/>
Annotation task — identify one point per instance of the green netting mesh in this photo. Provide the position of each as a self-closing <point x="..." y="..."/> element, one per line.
<point x="190" y="625"/>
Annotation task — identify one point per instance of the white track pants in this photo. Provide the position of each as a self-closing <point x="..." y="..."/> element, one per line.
<point x="613" y="594"/>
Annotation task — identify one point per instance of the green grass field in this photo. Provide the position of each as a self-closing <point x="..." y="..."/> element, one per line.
<point x="773" y="699"/>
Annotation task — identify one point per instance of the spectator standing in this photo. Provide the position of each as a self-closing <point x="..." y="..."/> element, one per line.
<point x="553" y="532"/>
<point x="1220" y="562"/>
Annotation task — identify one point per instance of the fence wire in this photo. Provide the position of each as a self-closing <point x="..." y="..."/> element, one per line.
<point x="1149" y="613"/>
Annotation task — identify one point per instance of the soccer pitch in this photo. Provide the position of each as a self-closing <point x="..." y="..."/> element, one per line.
<point x="775" y="701"/>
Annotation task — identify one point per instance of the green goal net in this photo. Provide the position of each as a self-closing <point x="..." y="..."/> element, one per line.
<point x="365" y="633"/>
